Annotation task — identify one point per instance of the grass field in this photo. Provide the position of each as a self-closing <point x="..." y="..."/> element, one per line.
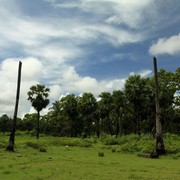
<point x="72" y="158"/>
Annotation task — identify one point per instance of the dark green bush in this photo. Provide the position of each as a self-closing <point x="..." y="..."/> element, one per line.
<point x="113" y="150"/>
<point x="101" y="154"/>
<point x="43" y="149"/>
<point x="110" y="140"/>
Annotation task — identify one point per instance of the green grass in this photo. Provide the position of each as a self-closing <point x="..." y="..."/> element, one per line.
<point x="74" y="158"/>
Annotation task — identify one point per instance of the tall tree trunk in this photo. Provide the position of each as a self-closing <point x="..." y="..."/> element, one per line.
<point x="117" y="127"/>
<point x="37" y="129"/>
<point x="10" y="146"/>
<point x="98" y="127"/>
<point x="159" y="137"/>
<point x="109" y="125"/>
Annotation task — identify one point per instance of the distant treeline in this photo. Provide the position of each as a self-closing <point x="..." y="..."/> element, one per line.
<point x="131" y="110"/>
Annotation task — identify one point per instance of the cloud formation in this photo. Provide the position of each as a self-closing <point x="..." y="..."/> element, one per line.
<point x="60" y="42"/>
<point x="169" y="46"/>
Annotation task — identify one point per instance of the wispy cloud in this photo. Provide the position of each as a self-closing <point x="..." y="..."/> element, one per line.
<point x="65" y="36"/>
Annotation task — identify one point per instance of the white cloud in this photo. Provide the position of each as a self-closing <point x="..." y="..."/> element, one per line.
<point x="169" y="45"/>
<point x="114" y="84"/>
<point x="142" y="73"/>
<point x="32" y="70"/>
<point x="87" y="84"/>
<point x="128" y="12"/>
<point x="52" y="45"/>
<point x="118" y="12"/>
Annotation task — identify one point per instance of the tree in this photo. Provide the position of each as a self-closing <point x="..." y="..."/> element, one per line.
<point x="159" y="138"/>
<point x="118" y="109"/>
<point x="137" y="92"/>
<point x="70" y="110"/>
<point x="38" y="97"/>
<point x="87" y="106"/>
<point x="10" y="146"/>
<point x="29" y="122"/>
<point x="105" y="107"/>
<point x="5" y="123"/>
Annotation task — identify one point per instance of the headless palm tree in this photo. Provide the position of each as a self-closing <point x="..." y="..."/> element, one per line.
<point x="10" y="146"/>
<point x="159" y="137"/>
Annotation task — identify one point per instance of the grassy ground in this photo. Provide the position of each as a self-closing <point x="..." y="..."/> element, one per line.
<point x="67" y="158"/>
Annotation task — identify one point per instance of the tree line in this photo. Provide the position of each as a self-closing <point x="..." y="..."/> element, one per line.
<point x="131" y="110"/>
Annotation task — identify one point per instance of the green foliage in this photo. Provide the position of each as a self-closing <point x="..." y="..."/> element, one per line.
<point x="131" y="143"/>
<point x="175" y="156"/>
<point x="172" y="143"/>
<point x="38" y="96"/>
<point x="111" y="140"/>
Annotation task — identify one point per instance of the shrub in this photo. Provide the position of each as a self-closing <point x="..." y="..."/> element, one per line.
<point x="42" y="149"/>
<point x="110" y="140"/>
<point x="113" y="150"/>
<point x="101" y="154"/>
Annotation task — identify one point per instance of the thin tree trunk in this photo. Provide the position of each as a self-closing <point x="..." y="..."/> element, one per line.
<point x="98" y="127"/>
<point x="159" y="137"/>
<point x="109" y="125"/>
<point x="117" y="127"/>
<point x="10" y="146"/>
<point x="37" y="129"/>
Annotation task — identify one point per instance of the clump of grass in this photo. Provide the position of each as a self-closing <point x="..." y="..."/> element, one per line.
<point x="101" y="154"/>
<point x="33" y="145"/>
<point x="10" y="166"/>
<point x="43" y="149"/>
<point x="113" y="150"/>
<point x="7" y="172"/>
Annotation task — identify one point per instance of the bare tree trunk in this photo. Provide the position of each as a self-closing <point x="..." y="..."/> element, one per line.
<point x="37" y="129"/>
<point x="10" y="146"/>
<point x="159" y="137"/>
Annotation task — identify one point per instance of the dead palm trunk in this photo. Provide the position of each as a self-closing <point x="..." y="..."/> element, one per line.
<point x="159" y="137"/>
<point x="10" y="146"/>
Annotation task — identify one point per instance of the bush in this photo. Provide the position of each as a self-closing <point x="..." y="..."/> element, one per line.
<point x="100" y="154"/>
<point x="110" y="140"/>
<point x="113" y="150"/>
<point x="42" y="149"/>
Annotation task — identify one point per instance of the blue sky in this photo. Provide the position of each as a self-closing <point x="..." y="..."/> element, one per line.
<point x="76" y="46"/>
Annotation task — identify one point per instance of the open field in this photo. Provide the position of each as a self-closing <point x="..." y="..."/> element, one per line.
<point x="50" y="158"/>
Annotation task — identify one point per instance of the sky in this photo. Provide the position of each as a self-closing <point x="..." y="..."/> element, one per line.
<point x="77" y="46"/>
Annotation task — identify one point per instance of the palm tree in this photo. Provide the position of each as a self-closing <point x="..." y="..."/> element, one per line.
<point x="70" y="109"/>
<point x="160" y="149"/>
<point x="87" y="107"/>
<point x="137" y="93"/>
<point x="38" y="97"/>
<point x="118" y="106"/>
<point x="105" y="107"/>
<point x="10" y="146"/>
